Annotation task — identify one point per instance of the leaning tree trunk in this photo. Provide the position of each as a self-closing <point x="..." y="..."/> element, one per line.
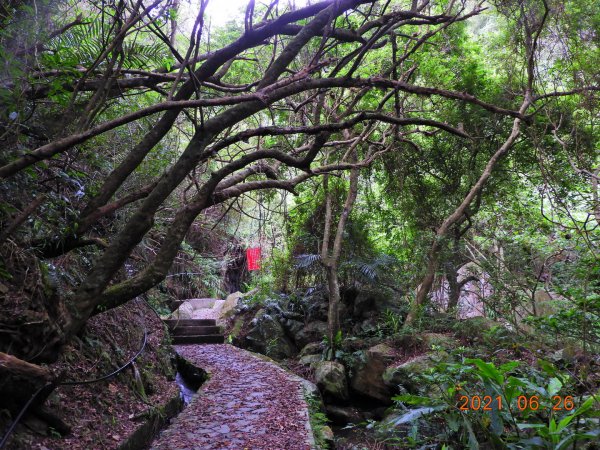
<point x="436" y="247"/>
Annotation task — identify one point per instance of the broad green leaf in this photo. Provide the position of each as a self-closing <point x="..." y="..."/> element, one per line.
<point x="473" y="443"/>
<point x="413" y="399"/>
<point x="554" y="386"/>
<point x="552" y="425"/>
<point x="507" y="367"/>
<point x="566" y="442"/>
<point x="487" y="370"/>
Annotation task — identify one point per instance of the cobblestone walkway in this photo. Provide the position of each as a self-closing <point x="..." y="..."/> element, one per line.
<point x="248" y="403"/>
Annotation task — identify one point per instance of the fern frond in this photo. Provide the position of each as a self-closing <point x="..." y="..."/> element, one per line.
<point x="372" y="270"/>
<point x="306" y="261"/>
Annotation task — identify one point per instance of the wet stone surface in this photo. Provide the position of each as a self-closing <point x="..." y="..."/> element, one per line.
<point x="247" y="403"/>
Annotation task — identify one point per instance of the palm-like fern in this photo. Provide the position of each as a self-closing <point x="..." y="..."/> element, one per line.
<point x="372" y="270"/>
<point x="81" y="45"/>
<point x="307" y="261"/>
<point x="144" y="56"/>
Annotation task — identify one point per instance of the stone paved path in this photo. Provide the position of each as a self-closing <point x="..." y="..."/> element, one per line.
<point x="248" y="403"/>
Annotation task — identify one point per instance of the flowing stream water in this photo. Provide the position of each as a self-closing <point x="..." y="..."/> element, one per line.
<point x="186" y="391"/>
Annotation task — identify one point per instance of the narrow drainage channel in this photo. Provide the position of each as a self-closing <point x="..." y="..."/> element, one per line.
<point x="189" y="378"/>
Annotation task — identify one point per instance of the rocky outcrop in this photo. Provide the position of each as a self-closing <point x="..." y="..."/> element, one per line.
<point x="232" y="301"/>
<point x="367" y="302"/>
<point x="312" y="348"/>
<point x="331" y="380"/>
<point x="403" y="376"/>
<point x="312" y="332"/>
<point x="480" y="329"/>
<point x="368" y="377"/>
<point x="267" y="336"/>
<point x="444" y="341"/>
<point x="292" y="326"/>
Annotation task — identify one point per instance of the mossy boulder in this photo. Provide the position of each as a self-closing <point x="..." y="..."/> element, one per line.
<point x="312" y="348"/>
<point x="237" y="327"/>
<point x="479" y="329"/>
<point x="292" y="326"/>
<point x="309" y="360"/>
<point x="328" y="436"/>
<point x="331" y="380"/>
<point x="367" y="380"/>
<point x="406" y="375"/>
<point x="268" y="337"/>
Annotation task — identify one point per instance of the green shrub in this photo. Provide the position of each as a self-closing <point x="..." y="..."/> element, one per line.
<point x="519" y="404"/>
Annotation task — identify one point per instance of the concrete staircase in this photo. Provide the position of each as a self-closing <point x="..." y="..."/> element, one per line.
<point x="195" y="331"/>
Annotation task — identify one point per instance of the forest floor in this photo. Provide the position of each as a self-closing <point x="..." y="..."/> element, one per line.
<point x="102" y="415"/>
<point x="246" y="403"/>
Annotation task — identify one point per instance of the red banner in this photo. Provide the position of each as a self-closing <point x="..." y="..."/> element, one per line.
<point x="253" y="257"/>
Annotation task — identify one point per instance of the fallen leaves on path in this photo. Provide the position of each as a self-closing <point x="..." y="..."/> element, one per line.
<point x="248" y="403"/>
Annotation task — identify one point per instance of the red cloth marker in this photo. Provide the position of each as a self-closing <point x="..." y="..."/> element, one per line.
<point x="253" y="257"/>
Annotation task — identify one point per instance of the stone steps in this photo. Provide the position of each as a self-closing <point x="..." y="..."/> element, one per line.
<point x="172" y="323"/>
<point x="200" y="339"/>
<point x="195" y="331"/>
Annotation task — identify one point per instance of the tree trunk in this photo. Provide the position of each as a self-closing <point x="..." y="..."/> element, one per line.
<point x="425" y="286"/>
<point x="453" y="286"/>
<point x="434" y="252"/>
<point x="333" y="316"/>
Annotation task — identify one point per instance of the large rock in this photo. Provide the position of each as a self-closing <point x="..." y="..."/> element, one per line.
<point x="239" y="328"/>
<point x="481" y="329"/>
<point x="292" y="326"/>
<point x="313" y="332"/>
<point x="367" y="380"/>
<point x="184" y="312"/>
<point x="312" y="348"/>
<point x="366" y="327"/>
<point x="405" y="375"/>
<point x="317" y="311"/>
<point x="364" y="305"/>
<point x="232" y="301"/>
<point x="331" y="380"/>
<point x="328" y="436"/>
<point x="310" y="390"/>
<point x="268" y="337"/>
